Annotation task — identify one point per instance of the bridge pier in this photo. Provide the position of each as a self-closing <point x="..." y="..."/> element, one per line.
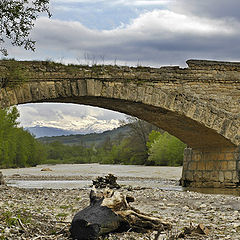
<point x="211" y="167"/>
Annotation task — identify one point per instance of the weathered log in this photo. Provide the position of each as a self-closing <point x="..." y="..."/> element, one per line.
<point x="110" y="212"/>
<point x="2" y="182"/>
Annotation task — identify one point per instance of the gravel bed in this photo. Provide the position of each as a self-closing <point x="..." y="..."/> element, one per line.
<point x="46" y="213"/>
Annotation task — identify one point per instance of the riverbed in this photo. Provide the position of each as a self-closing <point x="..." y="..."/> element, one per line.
<point x="45" y="209"/>
<point x="80" y="176"/>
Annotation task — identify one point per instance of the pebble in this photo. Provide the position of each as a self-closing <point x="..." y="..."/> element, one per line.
<point x="46" y="212"/>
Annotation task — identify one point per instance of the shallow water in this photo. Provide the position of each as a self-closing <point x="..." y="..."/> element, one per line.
<point x="94" y="170"/>
<point x="85" y="184"/>
<point x="165" y="178"/>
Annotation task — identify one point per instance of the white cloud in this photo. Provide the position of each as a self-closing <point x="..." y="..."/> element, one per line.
<point x="69" y="117"/>
<point x="157" y="36"/>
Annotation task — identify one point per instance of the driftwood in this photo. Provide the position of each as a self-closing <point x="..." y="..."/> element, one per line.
<point x="110" y="212"/>
<point x="109" y="181"/>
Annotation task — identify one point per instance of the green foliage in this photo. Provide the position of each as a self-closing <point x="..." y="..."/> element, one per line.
<point x="165" y="149"/>
<point x="18" y="148"/>
<point x="141" y="146"/>
<point x="12" y="218"/>
<point x="17" y="19"/>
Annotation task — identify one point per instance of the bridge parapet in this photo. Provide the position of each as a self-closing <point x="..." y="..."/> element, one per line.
<point x="198" y="71"/>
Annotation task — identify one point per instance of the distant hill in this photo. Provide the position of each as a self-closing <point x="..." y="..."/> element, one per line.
<point x="39" y="131"/>
<point x="91" y="139"/>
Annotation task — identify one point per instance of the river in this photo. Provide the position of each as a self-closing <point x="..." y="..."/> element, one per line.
<point x="80" y="176"/>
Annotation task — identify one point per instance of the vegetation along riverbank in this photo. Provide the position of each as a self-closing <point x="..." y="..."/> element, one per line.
<point x="136" y="142"/>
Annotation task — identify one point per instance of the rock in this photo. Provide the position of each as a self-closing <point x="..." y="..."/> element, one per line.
<point x="46" y="169"/>
<point x="201" y="229"/>
<point x="2" y="182"/>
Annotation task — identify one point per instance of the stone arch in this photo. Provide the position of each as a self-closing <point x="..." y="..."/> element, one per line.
<point x="198" y="125"/>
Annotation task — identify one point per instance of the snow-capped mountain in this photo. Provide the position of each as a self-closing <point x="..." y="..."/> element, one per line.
<point x="81" y="126"/>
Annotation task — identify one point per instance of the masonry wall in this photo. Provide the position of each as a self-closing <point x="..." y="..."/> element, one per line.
<point x="211" y="168"/>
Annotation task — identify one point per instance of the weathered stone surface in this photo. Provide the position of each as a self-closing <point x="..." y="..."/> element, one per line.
<point x="218" y="168"/>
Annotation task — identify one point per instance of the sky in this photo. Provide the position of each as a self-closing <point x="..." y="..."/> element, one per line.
<point x="130" y="32"/>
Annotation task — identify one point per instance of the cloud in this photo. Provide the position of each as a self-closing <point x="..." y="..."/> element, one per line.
<point x="210" y="9"/>
<point x="68" y="116"/>
<point x="155" y="37"/>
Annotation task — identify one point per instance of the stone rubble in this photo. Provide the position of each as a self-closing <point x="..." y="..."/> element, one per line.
<point x="46" y="214"/>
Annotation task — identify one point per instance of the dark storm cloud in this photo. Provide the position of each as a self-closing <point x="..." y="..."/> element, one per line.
<point x="209" y="8"/>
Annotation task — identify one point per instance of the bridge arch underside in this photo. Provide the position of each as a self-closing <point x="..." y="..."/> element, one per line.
<point x="212" y="157"/>
<point x="191" y="132"/>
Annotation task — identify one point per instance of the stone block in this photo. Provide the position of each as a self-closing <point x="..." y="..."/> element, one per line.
<point x="214" y="176"/>
<point x="211" y="156"/>
<point x="117" y="89"/>
<point x="206" y="175"/>
<point x="221" y="156"/>
<point x="140" y="93"/>
<point x="235" y="177"/>
<point x="228" y="176"/>
<point x="197" y="176"/>
<point x="82" y="88"/>
<point x="12" y="97"/>
<point x="189" y="176"/>
<point x="27" y="95"/>
<point x="223" y="165"/>
<point x="90" y="87"/>
<point x="210" y="165"/>
<point x="74" y="88"/>
<point x="221" y="176"/>
<point x="229" y="156"/>
<point x="66" y="86"/>
<point x="201" y="165"/>
<point x="192" y="166"/>
<point x="232" y="165"/>
<point x="51" y="90"/>
<point x="196" y="156"/>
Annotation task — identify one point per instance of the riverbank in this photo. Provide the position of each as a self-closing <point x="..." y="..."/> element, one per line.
<point x="46" y="214"/>
<point x="34" y="213"/>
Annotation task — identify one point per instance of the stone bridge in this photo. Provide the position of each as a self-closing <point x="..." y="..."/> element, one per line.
<point x="200" y="105"/>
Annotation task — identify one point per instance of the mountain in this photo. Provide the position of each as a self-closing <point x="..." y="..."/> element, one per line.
<point x="91" y="139"/>
<point x="69" y="125"/>
<point x="39" y="131"/>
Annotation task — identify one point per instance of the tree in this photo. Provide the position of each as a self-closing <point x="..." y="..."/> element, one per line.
<point x="165" y="149"/>
<point x="17" y="20"/>
<point x="138" y="138"/>
<point x="18" y="148"/>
